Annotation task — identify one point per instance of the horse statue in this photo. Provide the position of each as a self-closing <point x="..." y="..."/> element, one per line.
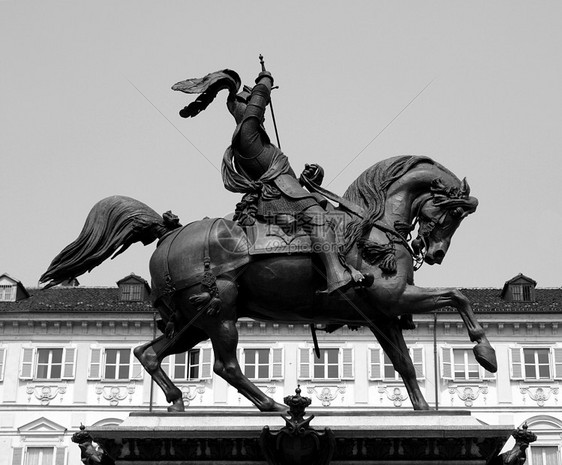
<point x="205" y="275"/>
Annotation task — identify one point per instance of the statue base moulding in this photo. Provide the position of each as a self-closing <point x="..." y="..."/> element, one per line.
<point x="205" y="436"/>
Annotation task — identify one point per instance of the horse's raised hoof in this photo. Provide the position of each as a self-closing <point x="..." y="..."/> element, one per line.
<point x="177" y="406"/>
<point x="486" y="356"/>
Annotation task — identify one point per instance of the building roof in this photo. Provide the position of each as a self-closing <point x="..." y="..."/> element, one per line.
<point x="486" y="300"/>
<point x="74" y="299"/>
<point x="107" y="299"/>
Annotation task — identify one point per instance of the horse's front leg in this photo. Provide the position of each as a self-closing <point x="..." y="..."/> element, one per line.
<point x="422" y="300"/>
<point x="389" y="334"/>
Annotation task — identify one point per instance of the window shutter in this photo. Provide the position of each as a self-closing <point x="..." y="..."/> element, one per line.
<point x="94" y="371"/>
<point x="416" y="354"/>
<point x="557" y="361"/>
<point x="446" y="362"/>
<point x="2" y="363"/>
<point x="26" y="369"/>
<point x="516" y="356"/>
<point x="17" y="456"/>
<point x="69" y="362"/>
<point x="347" y="363"/>
<point x="59" y="459"/>
<point x="277" y="363"/>
<point x="137" y="370"/>
<point x="206" y="358"/>
<point x="487" y="375"/>
<point x="304" y="363"/>
<point x="375" y="371"/>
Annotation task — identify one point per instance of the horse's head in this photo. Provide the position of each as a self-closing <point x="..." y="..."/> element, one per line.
<point x="439" y="216"/>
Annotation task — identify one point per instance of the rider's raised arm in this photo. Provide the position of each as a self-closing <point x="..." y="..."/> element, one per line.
<point x="251" y="138"/>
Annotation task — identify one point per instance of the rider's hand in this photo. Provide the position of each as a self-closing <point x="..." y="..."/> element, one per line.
<point x="264" y="74"/>
<point x="314" y="173"/>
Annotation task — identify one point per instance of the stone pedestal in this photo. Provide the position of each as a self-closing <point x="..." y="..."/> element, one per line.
<point x="206" y="436"/>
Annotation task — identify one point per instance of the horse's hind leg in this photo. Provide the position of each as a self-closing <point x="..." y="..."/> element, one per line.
<point x="151" y="354"/>
<point x="225" y="340"/>
<point x="224" y="337"/>
<point x="389" y="335"/>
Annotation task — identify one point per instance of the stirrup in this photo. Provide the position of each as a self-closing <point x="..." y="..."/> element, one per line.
<point x="367" y="281"/>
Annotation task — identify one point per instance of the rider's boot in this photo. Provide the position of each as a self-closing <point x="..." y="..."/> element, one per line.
<point x="324" y="244"/>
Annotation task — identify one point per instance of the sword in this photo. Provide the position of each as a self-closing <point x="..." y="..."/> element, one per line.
<point x="271" y="106"/>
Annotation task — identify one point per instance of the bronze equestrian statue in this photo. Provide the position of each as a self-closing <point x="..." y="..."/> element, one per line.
<point x="354" y="263"/>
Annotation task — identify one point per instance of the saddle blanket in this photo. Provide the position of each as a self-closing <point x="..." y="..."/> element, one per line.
<point x="270" y="238"/>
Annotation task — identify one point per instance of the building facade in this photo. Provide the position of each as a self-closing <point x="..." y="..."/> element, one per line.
<point x="66" y="359"/>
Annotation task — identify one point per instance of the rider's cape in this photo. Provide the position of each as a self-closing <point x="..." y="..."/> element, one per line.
<point x="279" y="178"/>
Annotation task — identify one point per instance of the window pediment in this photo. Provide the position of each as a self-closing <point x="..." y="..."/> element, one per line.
<point x="41" y="426"/>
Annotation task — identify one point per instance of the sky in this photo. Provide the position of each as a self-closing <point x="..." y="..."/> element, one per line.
<point x="86" y="111"/>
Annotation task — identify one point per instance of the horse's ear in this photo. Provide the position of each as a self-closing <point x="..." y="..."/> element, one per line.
<point x="465" y="188"/>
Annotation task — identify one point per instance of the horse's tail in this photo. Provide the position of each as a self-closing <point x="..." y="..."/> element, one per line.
<point x="113" y="224"/>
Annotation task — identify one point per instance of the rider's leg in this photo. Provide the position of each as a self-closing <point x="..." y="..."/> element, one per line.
<point x="324" y="244"/>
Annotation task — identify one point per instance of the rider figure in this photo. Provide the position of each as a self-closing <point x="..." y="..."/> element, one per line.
<point x="253" y="159"/>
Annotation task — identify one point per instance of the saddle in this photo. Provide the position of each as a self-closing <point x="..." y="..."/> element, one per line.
<point x="274" y="238"/>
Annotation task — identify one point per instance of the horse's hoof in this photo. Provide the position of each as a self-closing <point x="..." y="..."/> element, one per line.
<point x="486" y="356"/>
<point x="176" y="407"/>
<point x="274" y="407"/>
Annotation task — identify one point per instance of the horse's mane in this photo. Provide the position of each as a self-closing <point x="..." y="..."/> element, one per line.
<point x="369" y="191"/>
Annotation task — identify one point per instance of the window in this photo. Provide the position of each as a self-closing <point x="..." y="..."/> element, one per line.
<point x="536" y="363"/>
<point x="381" y="367"/>
<point x="465" y="365"/>
<point x="459" y="364"/>
<point x="48" y="363"/>
<point x="7" y="292"/>
<point x="39" y="456"/>
<point x="521" y="292"/>
<point x="193" y="365"/>
<point x="544" y="455"/>
<point x="131" y="292"/>
<point x="327" y="366"/>
<point x="114" y="364"/>
<point x="187" y="365"/>
<point x="262" y="363"/>
<point x="117" y="364"/>
<point x="256" y="363"/>
<point x="333" y="364"/>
